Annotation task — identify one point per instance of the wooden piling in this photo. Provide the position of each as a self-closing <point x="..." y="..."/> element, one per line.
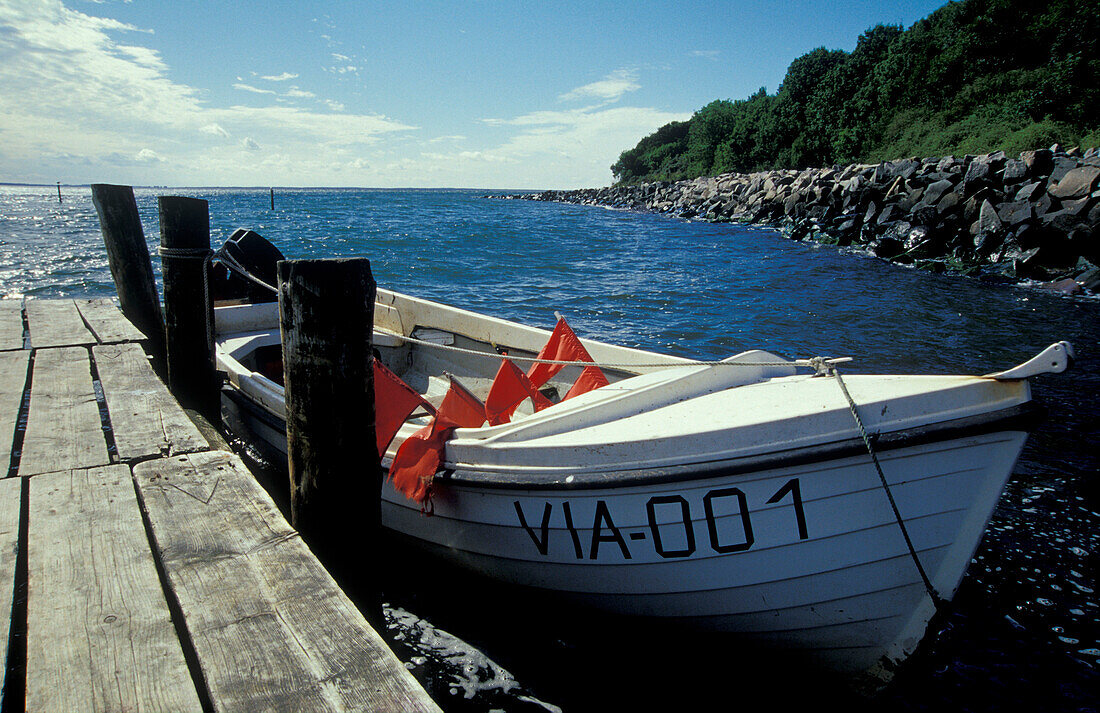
<point x="272" y="199"/>
<point x="326" y="315"/>
<point x="131" y="267"/>
<point x="188" y="310"/>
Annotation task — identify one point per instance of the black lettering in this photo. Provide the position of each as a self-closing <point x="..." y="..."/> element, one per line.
<point x="542" y="545"/>
<point x="712" y="523"/>
<point x="791" y="486"/>
<point x="654" y="527"/>
<point x="572" y="530"/>
<point x="603" y="516"/>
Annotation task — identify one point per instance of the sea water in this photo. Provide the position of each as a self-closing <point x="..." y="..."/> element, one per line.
<point x="1023" y="628"/>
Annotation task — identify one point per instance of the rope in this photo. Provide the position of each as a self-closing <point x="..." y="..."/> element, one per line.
<point x="207" y="256"/>
<point x="630" y="365"/>
<point x="231" y="263"/>
<point x="936" y="601"/>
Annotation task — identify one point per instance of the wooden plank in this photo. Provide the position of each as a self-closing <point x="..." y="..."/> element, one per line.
<point x="107" y="322"/>
<point x="63" y="427"/>
<point x="11" y="324"/>
<point x="271" y="629"/>
<point x="145" y="419"/>
<point x="9" y="546"/>
<point x="13" y="379"/>
<point x="56" y="323"/>
<point x="99" y="633"/>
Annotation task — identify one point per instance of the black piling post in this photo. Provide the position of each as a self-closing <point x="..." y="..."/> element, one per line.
<point x="326" y="315"/>
<point x="272" y="199"/>
<point x="131" y="267"/>
<point x="59" y="192"/>
<point x="188" y="309"/>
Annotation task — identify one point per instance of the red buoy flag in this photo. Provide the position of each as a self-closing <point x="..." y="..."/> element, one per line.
<point x="510" y="387"/>
<point x="394" y="400"/>
<point x="421" y="455"/>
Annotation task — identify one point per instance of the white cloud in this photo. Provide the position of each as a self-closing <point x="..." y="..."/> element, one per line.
<point x="77" y="101"/>
<point x="254" y="90"/>
<point x="279" y="77"/>
<point x="214" y="130"/>
<point x="249" y="144"/>
<point x="706" y="54"/>
<point x="610" y="89"/>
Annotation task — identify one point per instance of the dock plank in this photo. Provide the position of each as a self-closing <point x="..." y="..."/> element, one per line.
<point x="145" y="417"/>
<point x="64" y="429"/>
<point x="99" y="632"/>
<point x="13" y="379"/>
<point x="271" y="629"/>
<point x="56" y="323"/>
<point x="9" y="546"/>
<point x="11" y="324"/>
<point x="108" y="324"/>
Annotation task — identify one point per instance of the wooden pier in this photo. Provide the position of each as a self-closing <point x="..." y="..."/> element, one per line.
<point x="142" y="568"/>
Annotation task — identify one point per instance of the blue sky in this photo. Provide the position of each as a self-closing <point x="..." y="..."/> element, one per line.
<point x="382" y="94"/>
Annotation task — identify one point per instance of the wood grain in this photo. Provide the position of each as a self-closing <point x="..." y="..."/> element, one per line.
<point x="13" y="378"/>
<point x="11" y="324"/>
<point x="145" y="418"/>
<point x="56" y="323"/>
<point x="108" y="323"/>
<point x="99" y="632"/>
<point x="64" y="429"/>
<point x="270" y="626"/>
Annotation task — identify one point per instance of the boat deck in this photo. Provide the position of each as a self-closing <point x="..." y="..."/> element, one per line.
<point x="140" y="566"/>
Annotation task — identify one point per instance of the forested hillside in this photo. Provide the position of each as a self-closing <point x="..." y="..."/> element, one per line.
<point x="973" y="77"/>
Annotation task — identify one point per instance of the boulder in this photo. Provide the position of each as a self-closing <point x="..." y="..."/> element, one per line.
<point x="1076" y="183"/>
<point x="1015" y="212"/>
<point x="1038" y="163"/>
<point x="935" y="191"/>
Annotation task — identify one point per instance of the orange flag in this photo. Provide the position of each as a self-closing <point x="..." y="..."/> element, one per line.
<point x="563" y="345"/>
<point x="420" y="456"/>
<point x="510" y="387"/>
<point x="394" y="400"/>
<point x="591" y="378"/>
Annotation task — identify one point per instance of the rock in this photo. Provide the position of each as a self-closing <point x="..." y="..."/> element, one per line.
<point x="1015" y="170"/>
<point x="1030" y="191"/>
<point x="1068" y="286"/>
<point x="1062" y="166"/>
<point x="1076" y="183"/>
<point x="1038" y="163"/>
<point x="1015" y="212"/>
<point x="935" y="191"/>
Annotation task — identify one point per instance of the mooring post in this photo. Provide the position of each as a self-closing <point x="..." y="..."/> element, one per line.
<point x="188" y="310"/>
<point x="59" y="192"/>
<point x="131" y="267"/>
<point x="272" y="199"/>
<point x="326" y="316"/>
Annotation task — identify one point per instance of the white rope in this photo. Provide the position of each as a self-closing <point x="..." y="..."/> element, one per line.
<point x="820" y="364"/>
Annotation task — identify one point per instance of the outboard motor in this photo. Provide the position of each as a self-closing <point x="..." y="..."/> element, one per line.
<point x="250" y="251"/>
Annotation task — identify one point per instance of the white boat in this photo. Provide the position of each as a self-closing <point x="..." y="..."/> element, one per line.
<point x="735" y="497"/>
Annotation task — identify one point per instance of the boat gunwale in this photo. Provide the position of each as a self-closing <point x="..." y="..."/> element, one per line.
<point x="1017" y="418"/>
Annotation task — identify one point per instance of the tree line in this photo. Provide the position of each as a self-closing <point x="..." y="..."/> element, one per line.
<point x="974" y="76"/>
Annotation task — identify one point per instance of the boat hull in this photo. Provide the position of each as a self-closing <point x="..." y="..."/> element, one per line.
<point x="804" y="553"/>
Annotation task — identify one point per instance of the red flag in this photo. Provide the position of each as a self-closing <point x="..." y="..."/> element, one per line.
<point x="510" y="387"/>
<point x="394" y="400"/>
<point x="562" y="346"/>
<point x="590" y="378"/>
<point x="420" y="456"/>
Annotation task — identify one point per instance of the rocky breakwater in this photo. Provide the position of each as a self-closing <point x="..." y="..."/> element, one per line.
<point x="1035" y="217"/>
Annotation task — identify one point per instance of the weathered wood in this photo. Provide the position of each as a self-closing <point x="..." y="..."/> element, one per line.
<point x="128" y="255"/>
<point x="99" y="632"/>
<point x="10" y="496"/>
<point x="11" y="324"/>
<point x="107" y="323"/>
<point x="326" y="314"/>
<point x="270" y="627"/>
<point x="188" y="310"/>
<point x="64" y="429"/>
<point x="13" y="379"/>
<point x="145" y="419"/>
<point x="56" y="323"/>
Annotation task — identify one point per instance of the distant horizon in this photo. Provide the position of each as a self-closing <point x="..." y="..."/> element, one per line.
<point x="425" y="95"/>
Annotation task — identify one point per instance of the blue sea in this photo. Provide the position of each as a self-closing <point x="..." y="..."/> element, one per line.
<point x="1022" y="633"/>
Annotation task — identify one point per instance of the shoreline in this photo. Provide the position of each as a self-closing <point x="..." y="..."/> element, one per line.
<point x="1034" y="218"/>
